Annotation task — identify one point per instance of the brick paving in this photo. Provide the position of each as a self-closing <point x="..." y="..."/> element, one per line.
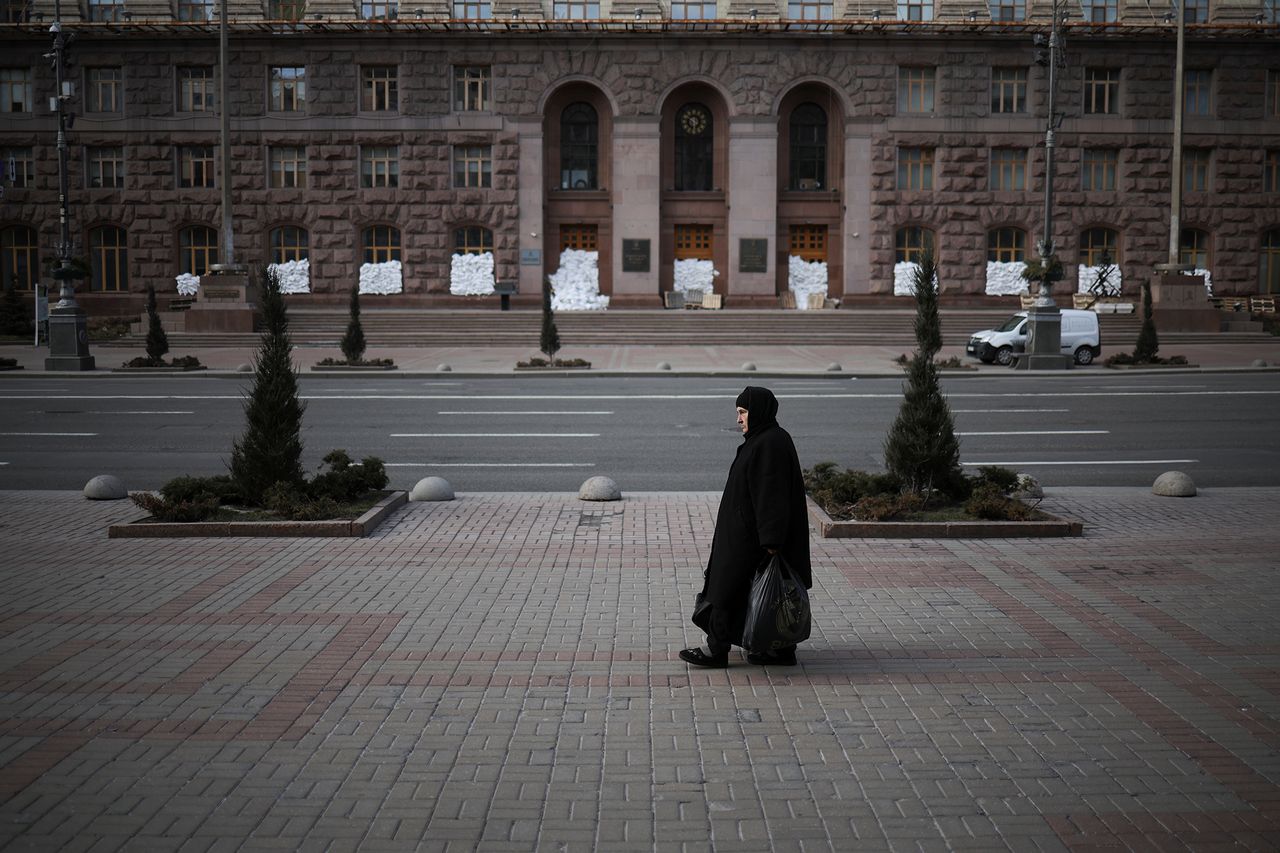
<point x="499" y="673"/>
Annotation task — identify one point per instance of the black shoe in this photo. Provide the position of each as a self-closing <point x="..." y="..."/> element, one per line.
<point x="698" y="657"/>
<point x="787" y="658"/>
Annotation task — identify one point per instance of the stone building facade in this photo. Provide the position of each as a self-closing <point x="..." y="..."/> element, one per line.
<point x="358" y="136"/>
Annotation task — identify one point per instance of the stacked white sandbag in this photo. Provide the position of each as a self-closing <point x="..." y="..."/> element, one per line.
<point x="806" y="277"/>
<point x="694" y="274"/>
<point x="576" y="285"/>
<point x="188" y="284"/>
<point x="1208" y="279"/>
<point x="294" y="276"/>
<point x="471" y="274"/>
<point x="1004" y="278"/>
<point x="382" y="279"/>
<point x="1087" y="275"/>
<point x="904" y="278"/>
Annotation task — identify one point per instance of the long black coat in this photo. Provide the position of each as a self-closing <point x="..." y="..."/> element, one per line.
<point x="763" y="507"/>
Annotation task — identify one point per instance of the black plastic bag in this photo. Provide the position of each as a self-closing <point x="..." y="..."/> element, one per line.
<point x="778" y="613"/>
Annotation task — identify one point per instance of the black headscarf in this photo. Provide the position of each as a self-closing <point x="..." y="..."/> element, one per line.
<point x="761" y="406"/>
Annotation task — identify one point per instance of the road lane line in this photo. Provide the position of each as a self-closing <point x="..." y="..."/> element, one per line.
<point x="1020" y="395"/>
<point x="1044" y="432"/>
<point x="489" y="464"/>
<point x="495" y="435"/>
<point x="1002" y="411"/>
<point x="1051" y="463"/>
<point x="523" y="413"/>
<point x="54" y="434"/>
<point x="110" y="412"/>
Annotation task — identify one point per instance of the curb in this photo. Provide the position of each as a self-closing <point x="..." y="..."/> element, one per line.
<point x="361" y="527"/>
<point x="829" y="528"/>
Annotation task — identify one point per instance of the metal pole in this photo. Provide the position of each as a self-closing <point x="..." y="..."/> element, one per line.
<point x="1046" y="241"/>
<point x="1175" y="184"/>
<point x="228" y="246"/>
<point x="66" y="291"/>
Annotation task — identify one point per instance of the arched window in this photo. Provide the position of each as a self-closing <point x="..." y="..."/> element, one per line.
<point x="1193" y="248"/>
<point x="109" y="258"/>
<point x="695" y="135"/>
<point x="19" y="261"/>
<point x="198" y="248"/>
<point x="1095" y="242"/>
<point x="912" y="242"/>
<point x="808" y="148"/>
<point x="288" y="243"/>
<point x="1269" y="262"/>
<point x="472" y="240"/>
<point x="381" y="243"/>
<point x="579" y="147"/>
<point x="1006" y="245"/>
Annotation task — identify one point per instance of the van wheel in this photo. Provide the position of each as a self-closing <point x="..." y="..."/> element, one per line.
<point x="1084" y="355"/>
<point x="1004" y="356"/>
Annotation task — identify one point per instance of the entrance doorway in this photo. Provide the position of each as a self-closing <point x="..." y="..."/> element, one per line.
<point x="584" y="238"/>
<point x="694" y="242"/>
<point x="809" y="242"/>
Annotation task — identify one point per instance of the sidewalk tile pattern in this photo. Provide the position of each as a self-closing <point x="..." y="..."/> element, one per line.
<point x="499" y="673"/>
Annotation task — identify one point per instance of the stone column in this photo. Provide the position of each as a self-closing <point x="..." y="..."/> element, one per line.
<point x="753" y="201"/>
<point x="857" y="210"/>
<point x="637" y="200"/>
<point x="532" y="189"/>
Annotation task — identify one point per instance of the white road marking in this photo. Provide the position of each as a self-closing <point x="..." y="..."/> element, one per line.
<point x="1002" y="411"/>
<point x="495" y="435"/>
<point x="111" y="412"/>
<point x="1089" y="462"/>
<point x="1020" y="395"/>
<point x="53" y="434"/>
<point x="1044" y="432"/>
<point x="489" y="464"/>
<point x="523" y="413"/>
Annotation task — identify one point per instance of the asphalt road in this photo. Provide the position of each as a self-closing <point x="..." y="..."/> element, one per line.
<point x="1088" y="427"/>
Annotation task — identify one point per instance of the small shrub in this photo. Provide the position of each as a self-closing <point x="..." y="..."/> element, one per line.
<point x="107" y="328"/>
<point x="953" y="361"/>
<point x="1177" y="359"/>
<point x="288" y="501"/>
<point x="988" y="501"/>
<point x="180" y="489"/>
<point x="1005" y="479"/>
<point x="839" y="490"/>
<point x="344" y="481"/>
<point x="884" y="507"/>
<point x="8" y="362"/>
<point x="200" y="508"/>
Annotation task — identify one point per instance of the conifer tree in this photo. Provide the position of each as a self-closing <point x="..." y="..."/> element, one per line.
<point x="14" y="316"/>
<point x="1148" y="341"/>
<point x="157" y="340"/>
<point x="550" y="340"/>
<point x="353" y="344"/>
<point x="921" y="449"/>
<point x="270" y="451"/>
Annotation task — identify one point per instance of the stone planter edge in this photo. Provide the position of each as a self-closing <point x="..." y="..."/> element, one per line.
<point x="360" y="527"/>
<point x="829" y="528"/>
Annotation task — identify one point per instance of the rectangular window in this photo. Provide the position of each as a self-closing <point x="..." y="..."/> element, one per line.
<point x="19" y="167"/>
<point x="288" y="88"/>
<point x="1008" y="10"/>
<point x="111" y="11"/>
<point x="915" y="90"/>
<point x="1098" y="171"/>
<point x="1197" y="83"/>
<point x="1195" y="11"/>
<point x="915" y="168"/>
<point x="1271" y="171"/>
<point x="472" y="10"/>
<point x="196" y="87"/>
<point x="106" y="167"/>
<point x="1008" y="90"/>
<point x="379" y="89"/>
<point x="15" y="90"/>
<point x="1272" y="107"/>
<point x="195" y="10"/>
<point x="810" y="10"/>
<point x="1195" y="170"/>
<point x="693" y="10"/>
<point x="372" y="10"/>
<point x="1102" y="91"/>
<point x="288" y="166"/>
<point x="195" y="166"/>
<point x="1099" y="11"/>
<point x="287" y="10"/>
<point x="104" y="90"/>
<point x="915" y="10"/>
<point x="576" y="10"/>
<point x="471" y="88"/>
<point x="379" y="166"/>
<point x="472" y="166"/>
<point x="1009" y="169"/>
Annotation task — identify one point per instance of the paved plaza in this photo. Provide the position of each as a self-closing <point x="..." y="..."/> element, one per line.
<point x="499" y="673"/>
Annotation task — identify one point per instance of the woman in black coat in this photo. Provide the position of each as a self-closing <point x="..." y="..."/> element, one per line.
<point x="761" y="513"/>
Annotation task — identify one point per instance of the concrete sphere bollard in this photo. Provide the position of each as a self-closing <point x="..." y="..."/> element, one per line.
<point x="748" y="366"/>
<point x="1259" y="362"/>
<point x="662" y="365"/>
<point x="245" y="368"/>
<point x="105" y="487"/>
<point x="834" y="367"/>
<point x="432" y="489"/>
<point x="1174" y="484"/>
<point x="444" y="368"/>
<point x="599" y="489"/>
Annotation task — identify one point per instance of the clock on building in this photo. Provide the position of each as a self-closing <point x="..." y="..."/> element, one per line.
<point x="694" y="121"/>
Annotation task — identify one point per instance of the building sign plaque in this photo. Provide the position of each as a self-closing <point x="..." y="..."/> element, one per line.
<point x="530" y="257"/>
<point x="635" y="255"/>
<point x="753" y="255"/>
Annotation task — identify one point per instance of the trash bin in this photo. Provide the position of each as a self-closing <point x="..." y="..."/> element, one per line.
<point x="504" y="289"/>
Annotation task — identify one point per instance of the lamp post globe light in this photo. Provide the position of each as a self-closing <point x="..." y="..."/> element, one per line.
<point x="68" y="331"/>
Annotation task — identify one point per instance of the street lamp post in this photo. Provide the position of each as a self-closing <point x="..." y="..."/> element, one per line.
<point x="68" y="331"/>
<point x="1173" y="264"/>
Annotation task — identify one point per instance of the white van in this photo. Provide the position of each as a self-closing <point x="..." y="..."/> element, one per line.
<point x="1080" y="338"/>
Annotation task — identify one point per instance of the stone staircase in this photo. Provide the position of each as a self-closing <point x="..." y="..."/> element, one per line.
<point x="391" y="327"/>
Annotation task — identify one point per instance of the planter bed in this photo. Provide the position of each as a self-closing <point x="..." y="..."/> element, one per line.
<point x="829" y="528"/>
<point x="157" y="369"/>
<point x="351" y="368"/>
<point x="362" y="526"/>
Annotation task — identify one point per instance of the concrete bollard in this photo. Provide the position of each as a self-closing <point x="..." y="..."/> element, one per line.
<point x="599" y="489"/>
<point x="1174" y="484"/>
<point x="432" y="489"/>
<point x="105" y="487"/>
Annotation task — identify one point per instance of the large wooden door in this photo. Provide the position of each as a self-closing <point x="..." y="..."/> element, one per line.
<point x="809" y="242"/>
<point x="584" y="238"/>
<point x="694" y="241"/>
